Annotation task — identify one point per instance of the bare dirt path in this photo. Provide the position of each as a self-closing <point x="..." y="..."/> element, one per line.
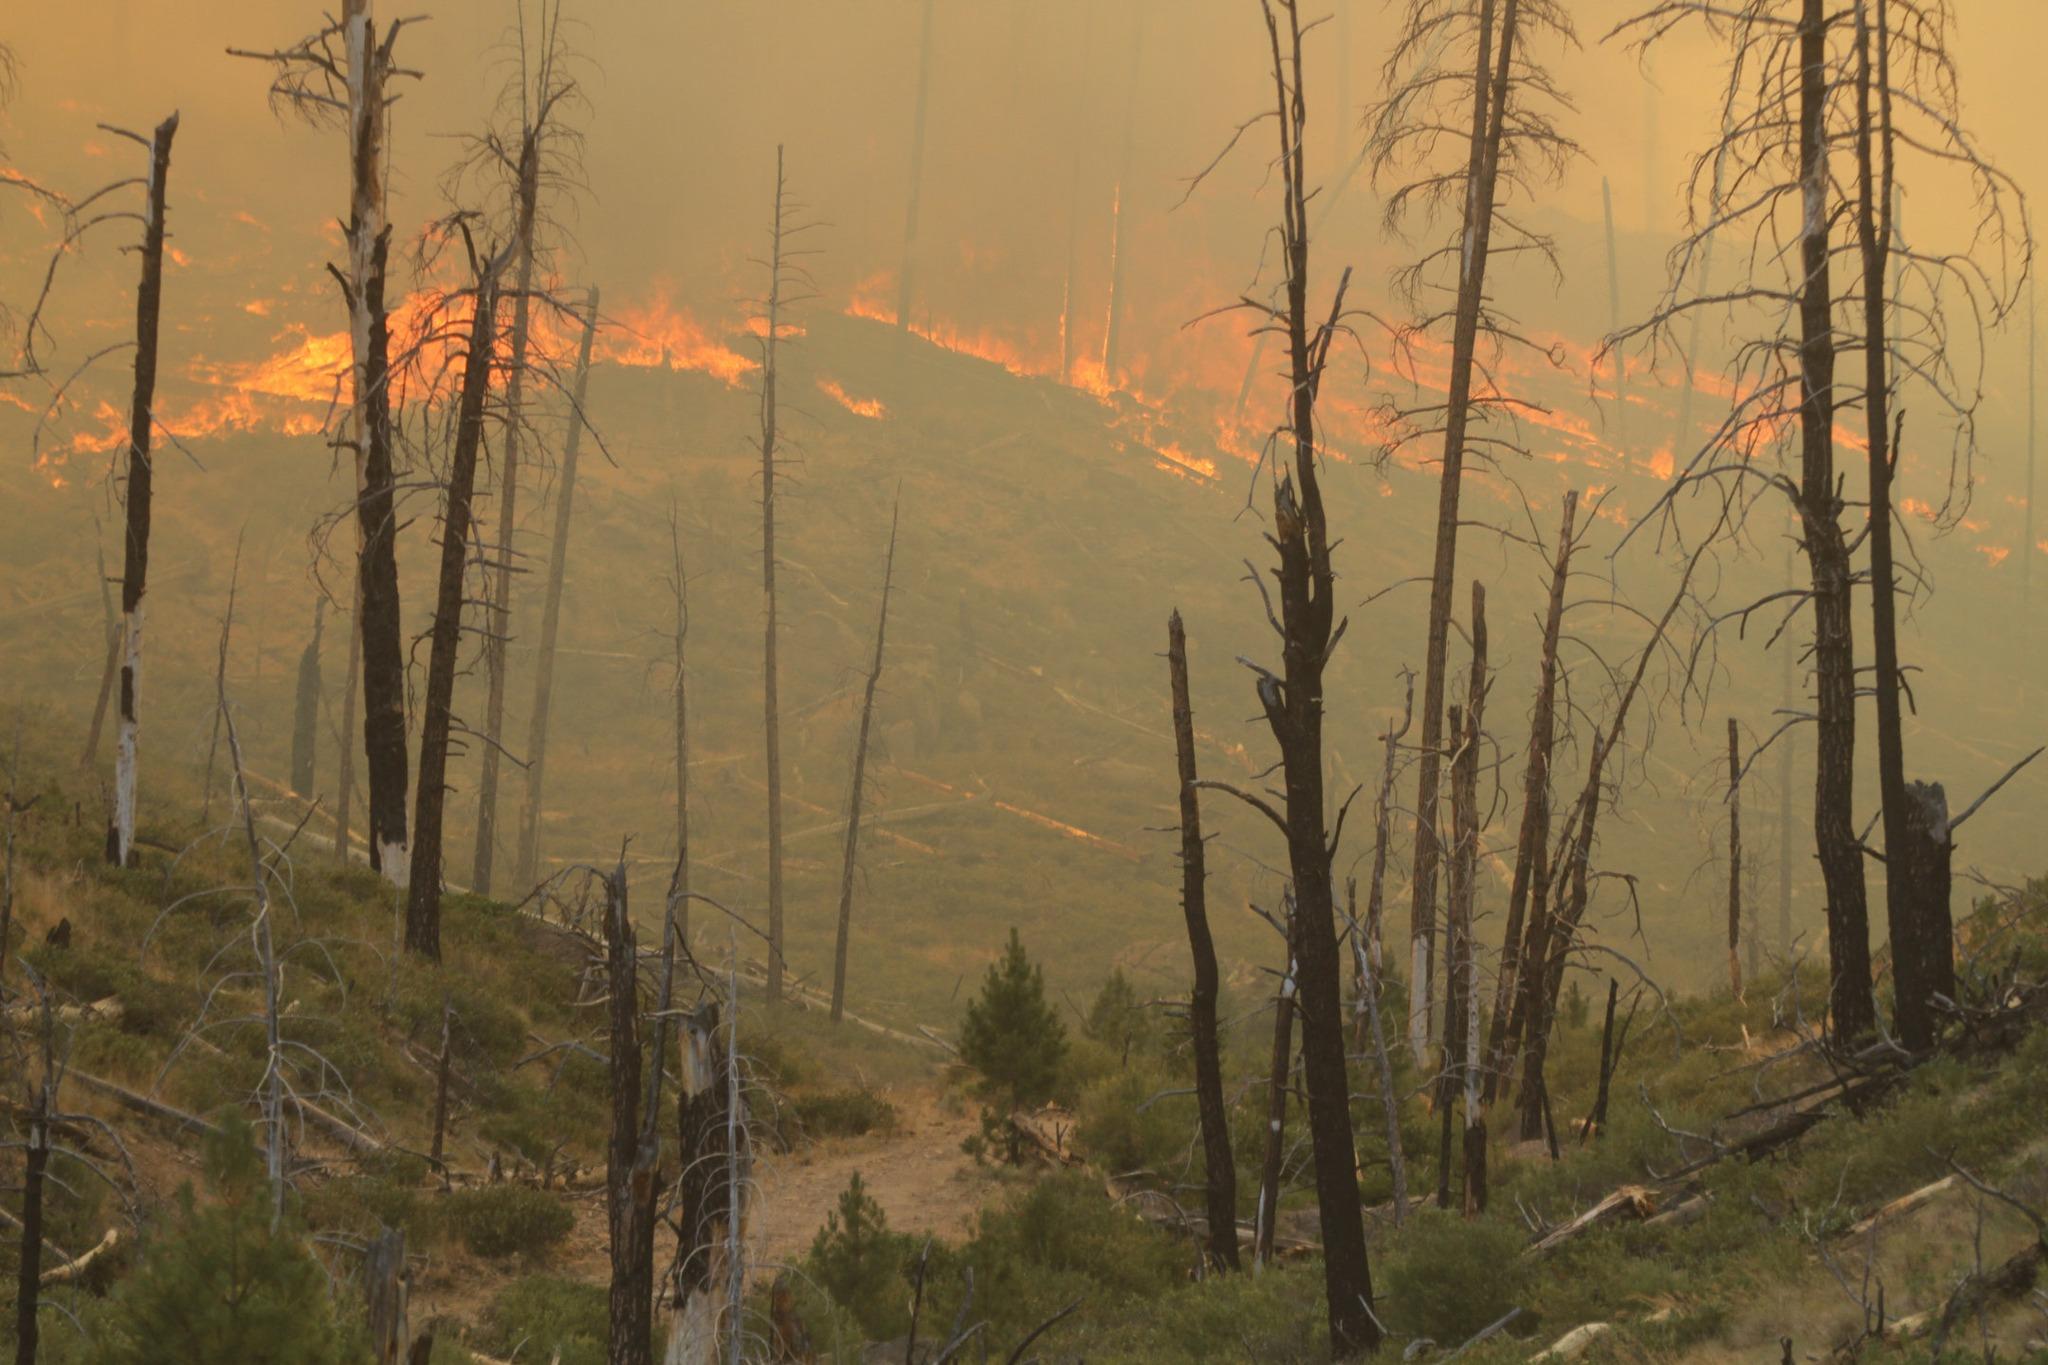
<point x="918" y="1174"/>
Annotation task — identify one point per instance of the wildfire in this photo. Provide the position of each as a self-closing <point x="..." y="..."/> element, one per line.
<point x="659" y="334"/>
<point x="860" y="407"/>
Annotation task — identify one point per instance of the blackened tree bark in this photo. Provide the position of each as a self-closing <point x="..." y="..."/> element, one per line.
<point x="345" y="731"/>
<point x="527" y="863"/>
<point x="306" y="709"/>
<point x="1921" y="860"/>
<point x="110" y="669"/>
<point x="1219" y="1165"/>
<point x="423" y="893"/>
<point x="679" y="876"/>
<point x="1734" y="861"/>
<point x="1532" y="843"/>
<point x="1827" y="552"/>
<point x="630" y="1177"/>
<point x="149" y="296"/>
<point x="858" y="791"/>
<point x="377" y="590"/>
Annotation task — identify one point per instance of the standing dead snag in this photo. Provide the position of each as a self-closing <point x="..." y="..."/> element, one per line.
<point x="35" y="1164"/>
<point x="1218" y="1163"/>
<point x="1292" y="702"/>
<point x="527" y="157"/>
<point x="1460" y="1076"/>
<point x="905" y="281"/>
<point x="1924" y="961"/>
<point x="527" y="865"/>
<point x="423" y="891"/>
<point x="1371" y="949"/>
<point x="1278" y="1078"/>
<point x="1507" y="124"/>
<point x="631" y="1178"/>
<point x="1532" y="861"/>
<point x="1369" y="973"/>
<point x="860" y="767"/>
<point x="306" y="709"/>
<point x="679" y="876"/>
<point x="149" y="296"/>
<point x="1734" y="860"/>
<point x="705" y="1191"/>
<point x="90" y="759"/>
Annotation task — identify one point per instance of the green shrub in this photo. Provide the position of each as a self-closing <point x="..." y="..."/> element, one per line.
<point x="1061" y="1240"/>
<point x="544" y="1315"/>
<point x="220" y="1283"/>
<point x="1118" y="1019"/>
<point x="503" y="1220"/>
<point x="843" y="1113"/>
<point x="1448" y="1277"/>
<point x="1113" y="1130"/>
<point x="861" y="1264"/>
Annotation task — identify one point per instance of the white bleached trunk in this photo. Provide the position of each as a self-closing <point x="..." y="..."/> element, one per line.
<point x="126" y="736"/>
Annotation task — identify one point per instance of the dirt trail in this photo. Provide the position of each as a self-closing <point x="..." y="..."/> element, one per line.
<point x="918" y="1174"/>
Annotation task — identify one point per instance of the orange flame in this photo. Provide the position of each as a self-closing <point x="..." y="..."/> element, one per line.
<point x="859" y="407"/>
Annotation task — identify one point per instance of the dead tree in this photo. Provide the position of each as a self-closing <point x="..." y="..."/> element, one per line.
<point x="530" y="157"/>
<point x="345" y="729"/>
<point x="527" y="864"/>
<point x="705" y="1203"/>
<point x="634" y="1152"/>
<point x="423" y="890"/>
<point x="1373" y="945"/>
<point x="679" y="876"/>
<point x="1119" y="247"/>
<point x="1794" y="83"/>
<point x="860" y="767"/>
<point x="1734" y="861"/>
<point x="1218" y="1163"/>
<point x="342" y="73"/>
<point x="149" y="298"/>
<point x="1508" y="95"/>
<point x="1460" y="1075"/>
<point x="1292" y="701"/>
<point x="1278" y="1080"/>
<point x="906" y="280"/>
<point x="306" y="709"/>
<point x="1532" y="862"/>
<point x="1369" y="976"/>
<point x="787" y="284"/>
<point x="35" y="1168"/>
<point x="112" y="666"/>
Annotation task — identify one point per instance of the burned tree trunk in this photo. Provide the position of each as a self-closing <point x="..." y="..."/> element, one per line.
<point x="860" y="768"/>
<point x="377" y="606"/>
<point x="1277" y="1082"/>
<point x="1373" y="959"/>
<point x="306" y="709"/>
<point x="1119" y="248"/>
<point x="1596" y="1118"/>
<point x="527" y="865"/>
<point x="1462" y="1032"/>
<point x="771" y="708"/>
<point x="1531" y="845"/>
<point x="35" y="1164"/>
<point x="495" y="640"/>
<point x="149" y="296"/>
<point x="1923" y="958"/>
<point x="442" y="1068"/>
<point x="1369" y="975"/>
<point x="1734" y="862"/>
<point x="110" y="669"/>
<point x="679" y="876"/>
<point x="1219" y="1165"/>
<point x="905" y="282"/>
<point x="630" y="1178"/>
<point x="705" y="1194"/>
<point x="345" y="738"/>
<point x="1827" y="551"/>
<point x="384" y="1289"/>
<point x="423" y="894"/>
<point x="1490" y="92"/>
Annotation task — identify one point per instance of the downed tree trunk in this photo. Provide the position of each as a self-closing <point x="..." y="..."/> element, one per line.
<point x="1630" y="1201"/>
<point x="1903" y="1205"/>
<point x="77" y="1266"/>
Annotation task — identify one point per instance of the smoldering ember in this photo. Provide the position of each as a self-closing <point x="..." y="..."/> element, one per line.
<point x="1022" y="680"/>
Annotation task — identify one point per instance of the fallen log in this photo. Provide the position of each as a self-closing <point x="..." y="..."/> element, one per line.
<point x="1903" y="1205"/>
<point x="1572" y="1344"/>
<point x="140" y="1103"/>
<point x="78" y="1265"/>
<point x="1046" y="1131"/>
<point x="1630" y="1201"/>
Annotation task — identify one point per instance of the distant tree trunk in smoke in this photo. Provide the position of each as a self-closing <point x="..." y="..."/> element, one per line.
<point x="1827" y="551"/>
<point x="526" y="215"/>
<point x="1614" y="318"/>
<point x="1370" y="973"/>
<point x="1787" y="745"/>
<point x="1461" y="992"/>
<point x="306" y="709"/>
<point x="141" y="427"/>
<point x="423" y="894"/>
<point x="1112" y="337"/>
<point x="527" y="864"/>
<point x="906" y="281"/>
<point x="2028" y="549"/>
<point x="1491" y="83"/>
<point x="111" y="668"/>
<point x="1532" y="863"/>
<point x="1219" y="1164"/>
<point x="679" y="875"/>
<point x="860" y="767"/>
<point x="1372" y="960"/>
<point x="1734" y="860"/>
<point x="1277" y="1079"/>
<point x="345" y="723"/>
<point x="770" y="703"/>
